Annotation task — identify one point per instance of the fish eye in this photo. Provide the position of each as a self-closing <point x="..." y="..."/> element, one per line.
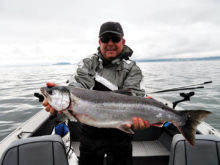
<point x="50" y="92"/>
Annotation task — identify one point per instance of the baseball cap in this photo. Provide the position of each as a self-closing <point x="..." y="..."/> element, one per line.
<point x="111" y="27"/>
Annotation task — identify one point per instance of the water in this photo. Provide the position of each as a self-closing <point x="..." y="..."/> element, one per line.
<point x="18" y="84"/>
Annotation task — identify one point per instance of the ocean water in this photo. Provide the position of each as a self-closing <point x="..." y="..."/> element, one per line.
<point x="18" y="84"/>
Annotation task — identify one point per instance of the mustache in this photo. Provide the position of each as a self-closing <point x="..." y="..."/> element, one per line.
<point x="109" y="48"/>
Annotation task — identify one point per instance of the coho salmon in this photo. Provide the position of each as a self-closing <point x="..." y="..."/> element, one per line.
<point x="104" y="109"/>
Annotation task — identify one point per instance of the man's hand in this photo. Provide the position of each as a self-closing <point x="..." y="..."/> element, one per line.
<point x="47" y="106"/>
<point x="139" y="123"/>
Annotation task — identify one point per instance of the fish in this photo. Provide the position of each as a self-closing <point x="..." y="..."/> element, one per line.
<point x="113" y="109"/>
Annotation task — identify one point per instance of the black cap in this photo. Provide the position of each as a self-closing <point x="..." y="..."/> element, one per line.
<point x="111" y="27"/>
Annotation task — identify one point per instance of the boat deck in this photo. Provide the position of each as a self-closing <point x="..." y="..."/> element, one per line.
<point x="140" y="149"/>
<point x="150" y="152"/>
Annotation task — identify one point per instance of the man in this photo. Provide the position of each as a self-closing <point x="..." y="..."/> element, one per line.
<point x="107" y="70"/>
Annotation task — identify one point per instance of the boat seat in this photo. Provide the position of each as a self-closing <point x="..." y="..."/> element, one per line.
<point x="42" y="150"/>
<point x="205" y="152"/>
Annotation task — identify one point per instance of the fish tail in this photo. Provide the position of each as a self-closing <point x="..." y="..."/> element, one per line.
<point x="193" y="119"/>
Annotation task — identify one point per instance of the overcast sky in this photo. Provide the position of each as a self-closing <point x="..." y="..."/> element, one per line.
<point x="48" y="31"/>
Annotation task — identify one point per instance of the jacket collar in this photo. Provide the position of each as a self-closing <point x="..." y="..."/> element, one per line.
<point x="126" y="54"/>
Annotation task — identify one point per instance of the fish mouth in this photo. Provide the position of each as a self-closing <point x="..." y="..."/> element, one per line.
<point x="43" y="91"/>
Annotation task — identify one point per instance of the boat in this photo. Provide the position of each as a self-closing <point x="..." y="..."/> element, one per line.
<point x="153" y="146"/>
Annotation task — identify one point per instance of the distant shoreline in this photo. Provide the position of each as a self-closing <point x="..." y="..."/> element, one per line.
<point x="63" y="63"/>
<point x="214" y="58"/>
<point x="164" y="60"/>
<point x="180" y="59"/>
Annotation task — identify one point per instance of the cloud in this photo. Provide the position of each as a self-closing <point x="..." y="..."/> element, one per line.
<point x="55" y="30"/>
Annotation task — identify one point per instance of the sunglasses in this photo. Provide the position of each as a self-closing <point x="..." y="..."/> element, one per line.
<point x="106" y="39"/>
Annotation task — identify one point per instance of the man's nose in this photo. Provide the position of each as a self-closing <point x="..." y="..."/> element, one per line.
<point x="110" y="42"/>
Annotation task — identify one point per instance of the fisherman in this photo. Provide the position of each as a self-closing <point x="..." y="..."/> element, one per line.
<point x="107" y="70"/>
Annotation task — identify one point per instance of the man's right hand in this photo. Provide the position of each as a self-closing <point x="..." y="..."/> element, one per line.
<point x="47" y="106"/>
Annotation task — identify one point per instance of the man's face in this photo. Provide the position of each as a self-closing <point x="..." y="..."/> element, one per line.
<point x="111" y="45"/>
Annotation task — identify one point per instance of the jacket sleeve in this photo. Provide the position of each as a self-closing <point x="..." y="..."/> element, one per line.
<point x="134" y="81"/>
<point x="85" y="73"/>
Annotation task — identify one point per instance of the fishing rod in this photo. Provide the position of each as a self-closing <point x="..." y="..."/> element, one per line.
<point x="188" y="87"/>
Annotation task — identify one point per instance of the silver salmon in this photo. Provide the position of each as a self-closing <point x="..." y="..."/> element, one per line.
<point x="114" y="110"/>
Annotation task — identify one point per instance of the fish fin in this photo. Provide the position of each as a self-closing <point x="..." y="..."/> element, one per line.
<point x="124" y="91"/>
<point x="69" y="114"/>
<point x="193" y="118"/>
<point x="126" y="129"/>
<point x="86" y="119"/>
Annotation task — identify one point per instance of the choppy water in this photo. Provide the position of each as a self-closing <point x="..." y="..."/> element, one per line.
<point x="17" y="85"/>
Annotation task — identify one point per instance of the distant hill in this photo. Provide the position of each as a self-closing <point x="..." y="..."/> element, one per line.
<point x="180" y="59"/>
<point x="63" y="63"/>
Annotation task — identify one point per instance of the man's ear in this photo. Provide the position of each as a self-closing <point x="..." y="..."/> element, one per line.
<point x="123" y="41"/>
<point x="99" y="41"/>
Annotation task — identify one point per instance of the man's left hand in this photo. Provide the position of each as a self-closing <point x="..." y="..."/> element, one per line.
<point x="139" y="123"/>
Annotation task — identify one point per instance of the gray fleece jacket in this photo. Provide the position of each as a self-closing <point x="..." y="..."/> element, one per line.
<point x="120" y="73"/>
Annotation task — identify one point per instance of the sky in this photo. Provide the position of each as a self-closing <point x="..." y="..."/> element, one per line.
<point x="51" y="31"/>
